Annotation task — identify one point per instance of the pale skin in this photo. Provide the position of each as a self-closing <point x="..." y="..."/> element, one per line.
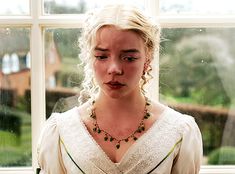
<point x="120" y="60"/>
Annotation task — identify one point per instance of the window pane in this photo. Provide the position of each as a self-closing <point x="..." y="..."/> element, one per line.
<point x="197" y="77"/>
<point x="63" y="76"/>
<point x="209" y="7"/>
<point x="15" y="117"/>
<point x="14" y="7"/>
<point x="80" y="6"/>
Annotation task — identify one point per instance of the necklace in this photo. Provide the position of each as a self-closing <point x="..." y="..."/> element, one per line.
<point x="109" y="137"/>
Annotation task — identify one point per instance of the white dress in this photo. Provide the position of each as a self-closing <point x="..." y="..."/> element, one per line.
<point x="173" y="145"/>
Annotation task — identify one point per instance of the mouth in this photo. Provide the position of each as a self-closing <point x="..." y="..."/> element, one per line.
<point x="114" y="84"/>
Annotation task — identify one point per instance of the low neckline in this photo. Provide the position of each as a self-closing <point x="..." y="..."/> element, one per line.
<point x="131" y="148"/>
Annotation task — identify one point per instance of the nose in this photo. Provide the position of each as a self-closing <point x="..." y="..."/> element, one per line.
<point x="115" y="68"/>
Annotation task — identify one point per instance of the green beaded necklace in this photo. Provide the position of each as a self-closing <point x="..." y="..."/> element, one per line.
<point x="109" y="137"/>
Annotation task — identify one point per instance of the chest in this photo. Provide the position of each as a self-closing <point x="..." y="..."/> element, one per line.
<point x="91" y="152"/>
<point x="109" y="148"/>
<point x="113" y="149"/>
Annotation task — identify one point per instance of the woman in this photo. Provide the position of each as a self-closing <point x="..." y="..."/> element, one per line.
<point x="119" y="130"/>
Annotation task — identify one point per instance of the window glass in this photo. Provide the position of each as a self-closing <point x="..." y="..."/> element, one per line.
<point x="208" y="7"/>
<point x="15" y="117"/>
<point x="63" y="75"/>
<point x="81" y="6"/>
<point x="14" y="7"/>
<point x="197" y="77"/>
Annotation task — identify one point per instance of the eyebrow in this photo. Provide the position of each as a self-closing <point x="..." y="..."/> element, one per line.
<point x="131" y="51"/>
<point x="100" y="49"/>
<point x="124" y="51"/>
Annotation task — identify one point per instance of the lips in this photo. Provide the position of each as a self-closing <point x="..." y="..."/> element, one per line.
<point x="115" y="84"/>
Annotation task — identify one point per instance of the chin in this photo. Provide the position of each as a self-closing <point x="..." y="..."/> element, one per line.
<point x="114" y="96"/>
<point x="118" y="94"/>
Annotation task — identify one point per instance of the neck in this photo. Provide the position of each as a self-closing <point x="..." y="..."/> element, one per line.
<point x="120" y="108"/>
<point x="120" y="120"/>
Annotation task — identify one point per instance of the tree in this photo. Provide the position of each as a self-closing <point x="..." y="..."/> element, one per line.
<point x="190" y="67"/>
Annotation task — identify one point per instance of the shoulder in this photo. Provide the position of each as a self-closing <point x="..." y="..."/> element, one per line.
<point x="48" y="148"/>
<point x="171" y="116"/>
<point x="50" y="134"/>
<point x="179" y="120"/>
<point x="187" y="128"/>
<point x="51" y="127"/>
<point x="178" y="124"/>
<point x="190" y="146"/>
<point x="68" y="115"/>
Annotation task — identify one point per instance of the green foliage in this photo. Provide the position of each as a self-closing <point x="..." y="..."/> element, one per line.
<point x="22" y="103"/>
<point x="66" y="41"/>
<point x="25" y="117"/>
<point x="10" y="120"/>
<point x="56" y="101"/>
<point x="15" y="157"/>
<point x="7" y="97"/>
<point x="171" y="36"/>
<point x="223" y="155"/>
<point x="191" y="67"/>
<point x="211" y="135"/>
<point x="70" y="75"/>
<point x="15" y="150"/>
<point x="14" y="40"/>
<point x="8" y="139"/>
<point x="70" y="79"/>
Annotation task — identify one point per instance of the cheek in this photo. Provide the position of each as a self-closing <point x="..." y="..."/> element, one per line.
<point x="135" y="72"/>
<point x="95" y="66"/>
<point x="98" y="69"/>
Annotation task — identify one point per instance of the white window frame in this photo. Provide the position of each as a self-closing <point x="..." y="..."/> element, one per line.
<point x="37" y="22"/>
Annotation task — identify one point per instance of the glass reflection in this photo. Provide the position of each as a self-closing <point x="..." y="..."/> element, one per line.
<point x="63" y="75"/>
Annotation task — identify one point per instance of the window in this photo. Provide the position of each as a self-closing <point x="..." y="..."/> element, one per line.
<point x="14" y="7"/>
<point x="61" y="44"/>
<point x="196" y="60"/>
<point x="196" y="72"/>
<point x="198" y="7"/>
<point x="79" y="6"/>
<point x="15" y="117"/>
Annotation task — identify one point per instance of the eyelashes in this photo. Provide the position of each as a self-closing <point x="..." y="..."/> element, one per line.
<point x="125" y="58"/>
<point x="101" y="57"/>
<point x="130" y="59"/>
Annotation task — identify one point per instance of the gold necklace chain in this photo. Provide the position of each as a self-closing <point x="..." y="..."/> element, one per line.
<point x="109" y="137"/>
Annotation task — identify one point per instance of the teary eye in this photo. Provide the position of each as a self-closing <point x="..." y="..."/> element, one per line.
<point x="129" y="58"/>
<point x="101" y="57"/>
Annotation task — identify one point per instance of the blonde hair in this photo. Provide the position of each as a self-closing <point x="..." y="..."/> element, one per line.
<point x="123" y="17"/>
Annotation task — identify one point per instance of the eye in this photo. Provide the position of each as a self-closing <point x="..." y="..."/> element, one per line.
<point x="101" y="57"/>
<point x="129" y="59"/>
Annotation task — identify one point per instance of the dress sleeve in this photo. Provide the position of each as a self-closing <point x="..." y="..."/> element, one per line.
<point x="188" y="160"/>
<point x="49" y="154"/>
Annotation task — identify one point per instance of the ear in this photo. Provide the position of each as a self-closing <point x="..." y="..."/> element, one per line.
<point x="146" y="64"/>
<point x="148" y="60"/>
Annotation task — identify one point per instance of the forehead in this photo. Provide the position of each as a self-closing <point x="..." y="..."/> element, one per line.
<point x="113" y="37"/>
